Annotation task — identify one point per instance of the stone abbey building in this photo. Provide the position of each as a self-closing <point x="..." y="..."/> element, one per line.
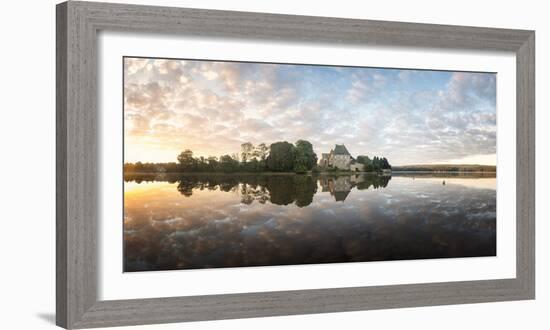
<point x="339" y="158"/>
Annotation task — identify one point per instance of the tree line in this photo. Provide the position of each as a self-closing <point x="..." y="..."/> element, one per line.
<point x="278" y="157"/>
<point x="375" y="164"/>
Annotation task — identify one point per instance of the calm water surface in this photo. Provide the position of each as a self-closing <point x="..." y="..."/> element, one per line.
<point x="205" y="221"/>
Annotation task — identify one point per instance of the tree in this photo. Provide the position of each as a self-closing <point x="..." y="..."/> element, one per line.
<point x="254" y="165"/>
<point x="213" y="163"/>
<point x="228" y="163"/>
<point x="247" y="151"/>
<point x="367" y="163"/>
<point x="377" y="163"/>
<point x="261" y="151"/>
<point x="201" y="164"/>
<point x="365" y="160"/>
<point x="300" y="165"/>
<point x="186" y="160"/>
<point x="385" y="164"/>
<point x="281" y="157"/>
<point x="305" y="154"/>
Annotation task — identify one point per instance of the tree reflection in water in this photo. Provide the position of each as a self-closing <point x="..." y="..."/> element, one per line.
<point x="280" y="189"/>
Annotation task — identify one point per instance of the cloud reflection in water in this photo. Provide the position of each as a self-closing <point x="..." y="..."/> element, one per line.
<point x="231" y="221"/>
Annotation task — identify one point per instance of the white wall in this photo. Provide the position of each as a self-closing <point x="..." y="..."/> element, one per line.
<point x="27" y="78"/>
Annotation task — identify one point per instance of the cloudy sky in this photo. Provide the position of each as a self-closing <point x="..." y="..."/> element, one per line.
<point x="408" y="116"/>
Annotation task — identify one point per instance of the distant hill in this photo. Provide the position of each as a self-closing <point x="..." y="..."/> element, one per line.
<point x="445" y="168"/>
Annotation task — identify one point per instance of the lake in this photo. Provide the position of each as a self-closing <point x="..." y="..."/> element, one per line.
<point x="225" y="220"/>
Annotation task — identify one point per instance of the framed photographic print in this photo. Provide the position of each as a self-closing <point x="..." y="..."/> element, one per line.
<point x="216" y="164"/>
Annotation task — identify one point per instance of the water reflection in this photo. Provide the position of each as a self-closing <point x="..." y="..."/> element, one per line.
<point x="281" y="189"/>
<point x="202" y="221"/>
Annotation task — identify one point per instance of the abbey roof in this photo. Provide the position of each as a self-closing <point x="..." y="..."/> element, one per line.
<point x="340" y="149"/>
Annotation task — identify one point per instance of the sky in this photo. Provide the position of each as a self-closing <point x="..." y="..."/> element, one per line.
<point x="212" y="107"/>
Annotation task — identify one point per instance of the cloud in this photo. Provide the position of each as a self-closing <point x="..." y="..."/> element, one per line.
<point x="405" y="75"/>
<point x="210" y="75"/>
<point x="465" y="88"/>
<point x="133" y="65"/>
<point x="212" y="107"/>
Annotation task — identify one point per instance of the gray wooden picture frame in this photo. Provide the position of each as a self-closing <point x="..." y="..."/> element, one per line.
<point x="77" y="190"/>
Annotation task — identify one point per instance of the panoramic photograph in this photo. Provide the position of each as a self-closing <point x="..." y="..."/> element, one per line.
<point x="240" y="164"/>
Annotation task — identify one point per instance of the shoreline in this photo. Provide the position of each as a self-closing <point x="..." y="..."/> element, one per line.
<point x="309" y="173"/>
